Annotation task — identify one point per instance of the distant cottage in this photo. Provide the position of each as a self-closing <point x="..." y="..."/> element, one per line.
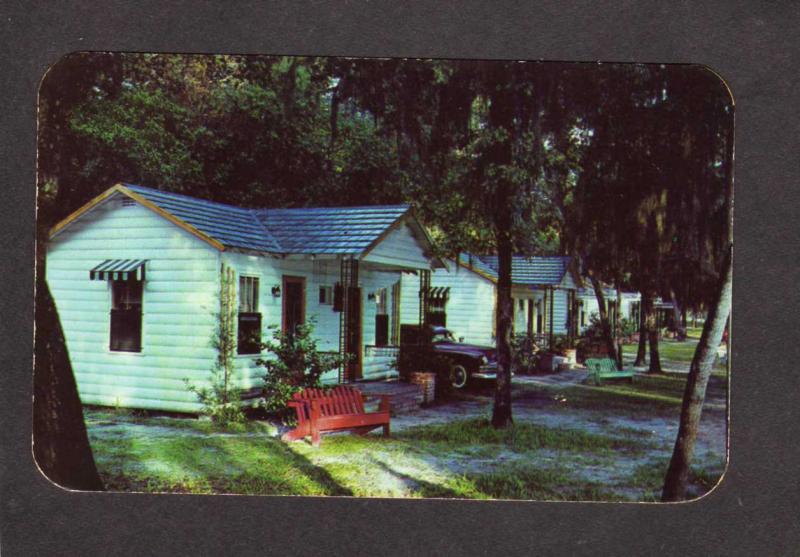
<point x="463" y="297"/>
<point x="136" y="275"/>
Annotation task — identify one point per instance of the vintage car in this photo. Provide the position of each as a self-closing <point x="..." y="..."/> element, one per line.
<point x="437" y="345"/>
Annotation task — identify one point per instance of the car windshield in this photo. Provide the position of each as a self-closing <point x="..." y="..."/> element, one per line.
<point x="442" y="336"/>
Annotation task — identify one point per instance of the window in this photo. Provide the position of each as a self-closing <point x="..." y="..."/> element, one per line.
<point x="381" y="317"/>
<point x="126" y="316"/>
<point x="326" y="295"/>
<point x="249" y="330"/>
<point x="437" y="313"/>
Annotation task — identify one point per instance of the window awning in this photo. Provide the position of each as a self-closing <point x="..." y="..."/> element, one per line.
<point x="119" y="269"/>
<point x="439" y="293"/>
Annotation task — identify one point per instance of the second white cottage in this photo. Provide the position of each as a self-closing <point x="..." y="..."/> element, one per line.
<point x="462" y="297"/>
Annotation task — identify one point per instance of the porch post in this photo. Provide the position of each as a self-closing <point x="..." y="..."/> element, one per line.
<point x="551" y="318"/>
<point x="350" y="322"/>
<point x="424" y="295"/>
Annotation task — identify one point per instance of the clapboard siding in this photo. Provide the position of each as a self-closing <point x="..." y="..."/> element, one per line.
<point x="178" y="304"/>
<point x="270" y="272"/>
<point x="399" y="248"/>
<point x="379" y="367"/>
<point x="560" y="312"/>
<point x="470" y="307"/>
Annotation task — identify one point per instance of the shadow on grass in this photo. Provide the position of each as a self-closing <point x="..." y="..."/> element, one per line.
<point x="422" y="487"/>
<point x="170" y="461"/>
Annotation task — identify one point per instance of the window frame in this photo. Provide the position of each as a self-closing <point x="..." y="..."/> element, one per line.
<point x="250" y="302"/>
<point x="113" y="310"/>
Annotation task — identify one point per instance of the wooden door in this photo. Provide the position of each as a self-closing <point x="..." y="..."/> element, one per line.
<point x="294" y="303"/>
<point x="353" y="334"/>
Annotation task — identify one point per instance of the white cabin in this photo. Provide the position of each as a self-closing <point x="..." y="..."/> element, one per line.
<point x="136" y="275"/>
<point x="463" y="297"/>
<point x="630" y="305"/>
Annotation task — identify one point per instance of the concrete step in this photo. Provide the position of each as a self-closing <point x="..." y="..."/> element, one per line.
<point x="403" y="397"/>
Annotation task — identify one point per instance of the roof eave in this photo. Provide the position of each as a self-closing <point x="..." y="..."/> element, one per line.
<point x="407" y="216"/>
<point x="121" y="189"/>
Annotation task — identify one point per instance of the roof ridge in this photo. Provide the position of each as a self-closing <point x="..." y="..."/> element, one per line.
<point x="404" y="206"/>
<point x="134" y="187"/>
<point x="252" y="214"/>
<point x="262" y="209"/>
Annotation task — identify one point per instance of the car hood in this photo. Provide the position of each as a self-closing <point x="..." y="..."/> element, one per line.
<point x="463" y="348"/>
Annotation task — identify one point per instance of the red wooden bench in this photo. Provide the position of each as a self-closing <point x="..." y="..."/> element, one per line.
<point x="341" y="408"/>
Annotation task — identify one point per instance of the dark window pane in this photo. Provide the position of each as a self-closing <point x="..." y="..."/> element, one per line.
<point x="381" y="329"/>
<point x="249" y="334"/>
<point x="338" y="297"/>
<point x="126" y="316"/>
<point x="126" y="330"/>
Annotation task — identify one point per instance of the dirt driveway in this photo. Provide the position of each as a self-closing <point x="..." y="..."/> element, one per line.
<point x="561" y="401"/>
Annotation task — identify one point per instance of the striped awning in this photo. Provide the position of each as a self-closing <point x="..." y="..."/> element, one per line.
<point x="119" y="269"/>
<point x="439" y="293"/>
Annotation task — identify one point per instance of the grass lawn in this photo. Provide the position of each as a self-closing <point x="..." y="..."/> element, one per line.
<point x="679" y="352"/>
<point x="585" y="443"/>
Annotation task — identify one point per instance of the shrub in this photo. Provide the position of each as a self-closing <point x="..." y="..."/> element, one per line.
<point x="524" y="354"/>
<point x="221" y="399"/>
<point x="297" y="364"/>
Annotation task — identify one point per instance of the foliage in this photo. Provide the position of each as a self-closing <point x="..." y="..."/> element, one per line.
<point x="626" y="327"/>
<point x="221" y="402"/>
<point x="221" y="398"/>
<point x="524" y="354"/>
<point x="594" y="331"/>
<point x="297" y="364"/>
<point x="563" y="342"/>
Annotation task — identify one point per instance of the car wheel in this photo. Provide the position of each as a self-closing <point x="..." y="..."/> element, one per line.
<point x="458" y="376"/>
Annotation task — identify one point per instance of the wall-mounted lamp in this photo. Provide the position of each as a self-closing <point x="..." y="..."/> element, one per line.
<point x="276" y="291"/>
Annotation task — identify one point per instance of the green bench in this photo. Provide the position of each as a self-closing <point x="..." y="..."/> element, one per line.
<point x="606" y="368"/>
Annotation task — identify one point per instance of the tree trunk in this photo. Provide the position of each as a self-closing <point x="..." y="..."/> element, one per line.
<point x="501" y="414"/>
<point x="501" y="116"/>
<point x="616" y="326"/>
<point x="676" y="480"/>
<point x="641" y="353"/>
<point x="651" y="324"/>
<point x="608" y="335"/>
<point x="60" y="444"/>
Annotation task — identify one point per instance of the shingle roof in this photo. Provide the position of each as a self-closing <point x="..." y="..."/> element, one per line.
<point x="332" y="230"/>
<point x="337" y="230"/>
<point x="230" y="225"/>
<point x="588" y="291"/>
<point x="537" y="270"/>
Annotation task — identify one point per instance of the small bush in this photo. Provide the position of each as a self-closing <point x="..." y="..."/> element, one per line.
<point x="221" y="399"/>
<point x="297" y="364"/>
<point x="524" y="354"/>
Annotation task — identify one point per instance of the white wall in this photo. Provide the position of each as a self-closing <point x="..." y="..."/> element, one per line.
<point x="178" y="302"/>
<point x="470" y="308"/>
<point x="399" y="248"/>
<point x="271" y="271"/>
